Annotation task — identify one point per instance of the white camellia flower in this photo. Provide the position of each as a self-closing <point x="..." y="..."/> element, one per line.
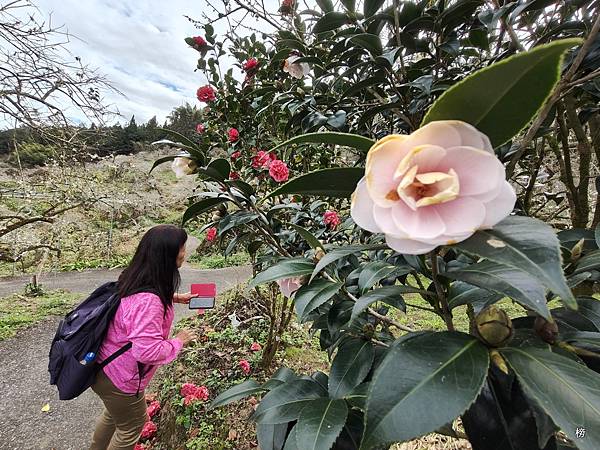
<point x="297" y="70"/>
<point x="183" y="166"/>
<point x="288" y="286"/>
<point x="434" y="187"/>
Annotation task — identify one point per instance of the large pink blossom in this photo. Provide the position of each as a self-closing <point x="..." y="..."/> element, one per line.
<point x="245" y="365"/>
<point x="331" y="219"/>
<point x="153" y="408"/>
<point x="206" y="94"/>
<point x="279" y="171"/>
<point x="288" y="286"/>
<point x="262" y="159"/>
<point x="434" y="187"/>
<point x="149" y="430"/>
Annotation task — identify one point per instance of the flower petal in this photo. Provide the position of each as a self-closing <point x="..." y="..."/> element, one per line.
<point x="382" y="160"/>
<point x="361" y="208"/>
<point x="500" y="207"/>
<point x="442" y="133"/>
<point x="463" y="215"/>
<point x="478" y="170"/>
<point x="471" y="136"/>
<point x="424" y="223"/>
<point x="408" y="246"/>
<point x="385" y="221"/>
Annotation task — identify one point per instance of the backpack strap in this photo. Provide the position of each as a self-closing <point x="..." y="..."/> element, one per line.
<point x="115" y="355"/>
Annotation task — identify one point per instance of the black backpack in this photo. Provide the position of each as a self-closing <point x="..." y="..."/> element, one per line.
<point x="80" y="332"/>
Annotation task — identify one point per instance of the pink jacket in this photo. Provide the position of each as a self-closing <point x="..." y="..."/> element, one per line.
<point x="139" y="319"/>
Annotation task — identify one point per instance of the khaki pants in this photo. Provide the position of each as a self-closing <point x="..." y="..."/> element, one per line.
<point x="124" y="415"/>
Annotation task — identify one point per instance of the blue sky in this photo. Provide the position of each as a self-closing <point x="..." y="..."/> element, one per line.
<point x="138" y="46"/>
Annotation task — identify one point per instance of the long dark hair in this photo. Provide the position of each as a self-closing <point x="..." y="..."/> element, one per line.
<point x="154" y="265"/>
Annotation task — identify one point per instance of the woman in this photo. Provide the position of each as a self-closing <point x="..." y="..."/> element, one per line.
<point x="148" y="289"/>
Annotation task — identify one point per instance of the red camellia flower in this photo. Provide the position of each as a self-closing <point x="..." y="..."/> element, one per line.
<point x="263" y="159"/>
<point x="233" y="134"/>
<point x="236" y="155"/>
<point x="206" y="94"/>
<point x="200" y="128"/>
<point x="199" y="41"/>
<point x="153" y="408"/>
<point x="234" y="176"/>
<point x="331" y="219"/>
<point x="192" y="393"/>
<point x="245" y="365"/>
<point x="211" y="235"/>
<point x="149" y="430"/>
<point x="139" y="447"/>
<point x="286" y="7"/>
<point x="255" y="347"/>
<point x="250" y="65"/>
<point x="279" y="171"/>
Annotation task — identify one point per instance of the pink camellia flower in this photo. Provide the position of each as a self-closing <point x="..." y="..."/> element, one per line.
<point x="250" y="65"/>
<point x="236" y="155"/>
<point x="245" y="365"/>
<point x="234" y="176"/>
<point x="279" y="171"/>
<point x="199" y="41"/>
<point x="296" y="69"/>
<point x="255" y="347"/>
<point x="434" y="187"/>
<point x="211" y="235"/>
<point x="153" y="408"/>
<point x="200" y="128"/>
<point x="261" y="160"/>
<point x="183" y="166"/>
<point x="188" y="389"/>
<point x="331" y="219"/>
<point x="149" y="430"/>
<point x="233" y="135"/>
<point x="288" y="286"/>
<point x="192" y="393"/>
<point x="139" y="447"/>
<point x="206" y="94"/>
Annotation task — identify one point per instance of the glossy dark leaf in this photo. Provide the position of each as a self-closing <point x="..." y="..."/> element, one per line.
<point x="201" y="207"/>
<point x="320" y="423"/>
<point x="336" y="182"/>
<point x="284" y="269"/>
<point x="462" y="293"/>
<point x="370" y="7"/>
<point x="521" y="85"/>
<point x="284" y="403"/>
<point x="338" y="253"/>
<point x="591" y="261"/>
<point x="350" y="366"/>
<point x="512" y="283"/>
<point x="567" y="391"/>
<point x="390" y="295"/>
<point x="271" y="437"/>
<point x="325" y="5"/>
<point x="221" y="166"/>
<point x="313" y="295"/>
<point x="307" y="235"/>
<point x="404" y="396"/>
<point x="330" y="21"/>
<point x="525" y="244"/>
<point x="237" y="392"/>
<point x="235" y="220"/>
<point x="165" y="159"/>
<point x="330" y="137"/>
<point x="369" y="42"/>
<point x="282" y="375"/>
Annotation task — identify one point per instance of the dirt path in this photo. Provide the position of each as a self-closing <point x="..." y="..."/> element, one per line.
<point x="24" y="384"/>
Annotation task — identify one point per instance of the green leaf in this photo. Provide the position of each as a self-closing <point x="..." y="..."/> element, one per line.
<point x="165" y="159"/>
<point x="515" y="284"/>
<point x="236" y="219"/>
<point x="591" y="261"/>
<point x="526" y="244"/>
<point x="330" y="137"/>
<point x="237" y="392"/>
<point x="284" y="269"/>
<point x="589" y="307"/>
<point x="201" y="207"/>
<point x="271" y="437"/>
<point x="313" y="295"/>
<point x="221" y="166"/>
<point x="521" y="84"/>
<point x="330" y="21"/>
<point x="307" y="235"/>
<point x="290" y="442"/>
<point x="464" y="294"/>
<point x="282" y="375"/>
<point x="358" y="397"/>
<point x="391" y="295"/>
<point x="568" y="392"/>
<point x="425" y="381"/>
<point x="188" y="144"/>
<point x="370" y="7"/>
<point x="597" y="235"/>
<point x="337" y="182"/>
<point x="320" y="423"/>
<point x="325" y="5"/>
<point x="582" y="337"/>
<point x="284" y="403"/>
<point x="350" y="367"/>
<point x="341" y="252"/>
<point x="372" y="273"/>
<point x="369" y="42"/>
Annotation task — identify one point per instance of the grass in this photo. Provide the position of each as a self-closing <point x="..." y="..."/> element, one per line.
<point x="20" y="311"/>
<point x="219" y="261"/>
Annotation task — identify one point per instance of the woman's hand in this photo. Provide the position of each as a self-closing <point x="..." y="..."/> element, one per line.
<point x="186" y="336"/>
<point x="182" y="298"/>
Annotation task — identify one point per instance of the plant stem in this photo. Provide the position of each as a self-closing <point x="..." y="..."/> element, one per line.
<point x="443" y="301"/>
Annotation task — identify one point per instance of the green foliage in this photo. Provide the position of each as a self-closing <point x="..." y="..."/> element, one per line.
<point x="32" y="154"/>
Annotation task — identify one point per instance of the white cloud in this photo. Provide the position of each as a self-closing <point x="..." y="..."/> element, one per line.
<point x="138" y="46"/>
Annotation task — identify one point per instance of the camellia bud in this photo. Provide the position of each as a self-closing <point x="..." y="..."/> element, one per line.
<point x="576" y="250"/>
<point x="319" y="253"/>
<point x="499" y="361"/>
<point x="548" y="331"/>
<point x="494" y="327"/>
